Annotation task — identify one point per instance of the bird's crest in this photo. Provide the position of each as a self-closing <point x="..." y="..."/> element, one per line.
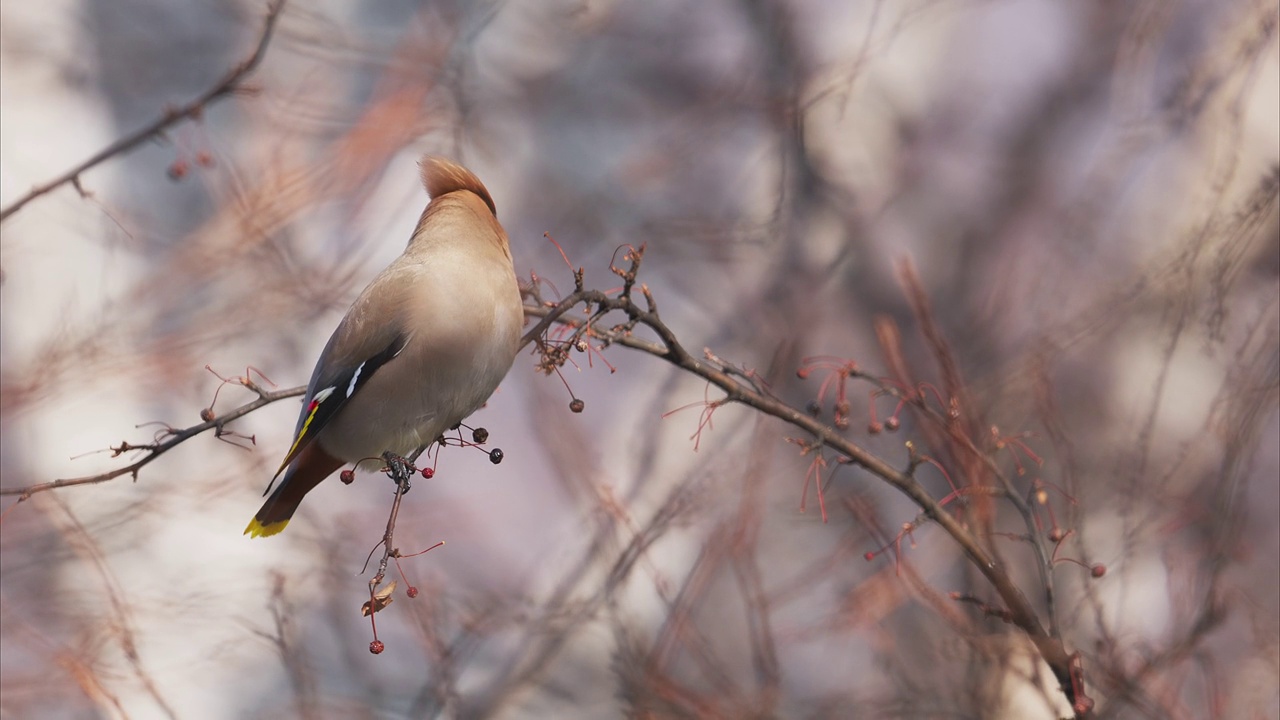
<point x="441" y="176"/>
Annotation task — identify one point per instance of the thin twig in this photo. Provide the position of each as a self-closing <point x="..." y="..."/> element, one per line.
<point x="232" y="82"/>
<point x="398" y="468"/>
<point x="155" y="450"/>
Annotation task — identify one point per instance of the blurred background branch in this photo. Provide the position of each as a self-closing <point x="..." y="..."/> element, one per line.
<point x="233" y="82"/>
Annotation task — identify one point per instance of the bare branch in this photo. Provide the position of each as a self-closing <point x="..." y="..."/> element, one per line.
<point x="155" y="450"/>
<point x="1019" y="609"/>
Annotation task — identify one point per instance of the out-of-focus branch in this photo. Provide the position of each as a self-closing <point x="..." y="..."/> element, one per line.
<point x="231" y="83"/>
<point x="744" y="391"/>
<point x="173" y="438"/>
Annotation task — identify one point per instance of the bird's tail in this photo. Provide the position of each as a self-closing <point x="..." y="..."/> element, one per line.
<point x="306" y="471"/>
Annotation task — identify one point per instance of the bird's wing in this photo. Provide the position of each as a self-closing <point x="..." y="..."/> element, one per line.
<point x="371" y="335"/>
<point x="332" y="384"/>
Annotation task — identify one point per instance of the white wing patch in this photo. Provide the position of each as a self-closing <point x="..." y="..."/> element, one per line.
<point x="351" y="386"/>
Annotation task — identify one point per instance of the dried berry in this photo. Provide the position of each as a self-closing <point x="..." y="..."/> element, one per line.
<point x="207" y="415"/>
<point x="347" y="477"/>
<point x="480" y="436"/>
<point x="576" y="405"/>
<point x="412" y="592"/>
<point x="376" y="647"/>
<point x="495" y="456"/>
<point x="892" y="424"/>
<point x="177" y="170"/>
<point x="875" y="428"/>
<point x="428" y="473"/>
<point x="813" y="407"/>
<point x="1098" y="570"/>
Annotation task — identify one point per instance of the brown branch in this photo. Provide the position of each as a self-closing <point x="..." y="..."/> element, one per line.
<point x="155" y="450"/>
<point x="1020" y="611"/>
<point x="232" y="82"/>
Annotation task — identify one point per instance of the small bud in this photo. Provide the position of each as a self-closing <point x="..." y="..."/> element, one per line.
<point x="869" y="556"/>
<point x="347" y="477"/>
<point x="892" y="423"/>
<point x="412" y="592"/>
<point x="1098" y="570"/>
<point x="875" y="428"/>
<point x="480" y="436"/>
<point x="177" y="170"/>
<point x="1056" y="535"/>
<point x="495" y="456"/>
<point x="207" y="415"/>
<point x="204" y="159"/>
<point x="803" y="373"/>
<point x="576" y="405"/>
<point x="376" y="647"/>
<point x="428" y="473"/>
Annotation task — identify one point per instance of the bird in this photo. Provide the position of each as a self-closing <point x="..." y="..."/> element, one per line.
<point x="422" y="347"/>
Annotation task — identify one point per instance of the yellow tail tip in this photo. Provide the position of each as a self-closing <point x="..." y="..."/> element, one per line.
<point x="257" y="529"/>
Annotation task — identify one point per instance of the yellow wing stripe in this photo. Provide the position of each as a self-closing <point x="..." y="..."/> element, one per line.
<point x="302" y="433"/>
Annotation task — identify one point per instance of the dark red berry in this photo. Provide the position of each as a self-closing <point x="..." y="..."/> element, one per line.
<point x="1098" y="570"/>
<point x="803" y="373"/>
<point x="207" y="415"/>
<point x="495" y="456"/>
<point x="480" y="436"/>
<point x="875" y="428"/>
<point x="892" y="424"/>
<point x="347" y="477"/>
<point x="376" y="647"/>
<point x="869" y="556"/>
<point x="412" y="592"/>
<point x="428" y="473"/>
<point x="576" y="405"/>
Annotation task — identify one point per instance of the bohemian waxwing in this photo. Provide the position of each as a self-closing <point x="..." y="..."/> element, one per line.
<point x="422" y="347"/>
